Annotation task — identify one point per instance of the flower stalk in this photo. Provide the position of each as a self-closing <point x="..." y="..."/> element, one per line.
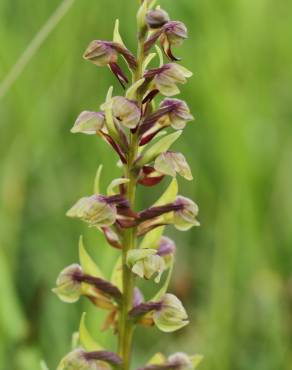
<point x="131" y="125"/>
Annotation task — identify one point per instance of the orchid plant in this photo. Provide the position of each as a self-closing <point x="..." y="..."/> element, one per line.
<point x="130" y="124"/>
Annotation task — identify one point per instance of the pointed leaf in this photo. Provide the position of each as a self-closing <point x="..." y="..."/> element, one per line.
<point x="131" y="92"/>
<point x="159" y="147"/>
<point x="152" y="238"/>
<point x="147" y="61"/>
<point x="157" y="359"/>
<point x="117" y="274"/>
<point x="86" y="340"/>
<point x="196" y="360"/>
<point x="169" y="195"/>
<point x="117" y="36"/>
<point x="96" y="188"/>
<point x="87" y="263"/>
<point x="107" y="107"/>
<point x="75" y="340"/>
<point x="159" y="52"/>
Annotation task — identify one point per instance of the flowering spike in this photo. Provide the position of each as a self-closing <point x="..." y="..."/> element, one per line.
<point x="129" y="123"/>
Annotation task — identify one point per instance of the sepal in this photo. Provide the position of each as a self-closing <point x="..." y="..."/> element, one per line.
<point x="89" y="123"/>
<point x="171" y="163"/>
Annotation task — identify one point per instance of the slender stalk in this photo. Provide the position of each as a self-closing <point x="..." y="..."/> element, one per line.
<point x="126" y="327"/>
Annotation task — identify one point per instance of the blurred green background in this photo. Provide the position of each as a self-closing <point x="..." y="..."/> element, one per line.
<point x="234" y="273"/>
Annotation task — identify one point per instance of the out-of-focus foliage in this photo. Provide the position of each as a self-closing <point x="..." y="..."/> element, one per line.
<point x="235" y="271"/>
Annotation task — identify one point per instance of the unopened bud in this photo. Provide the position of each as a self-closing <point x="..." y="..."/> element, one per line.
<point x="101" y="53"/>
<point x="156" y="18"/>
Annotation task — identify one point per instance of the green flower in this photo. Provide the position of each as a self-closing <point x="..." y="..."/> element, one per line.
<point x="186" y="216"/>
<point x="171" y="163"/>
<point x="97" y="360"/>
<point x="178" y="115"/>
<point x="145" y="263"/>
<point x="171" y="316"/>
<point x="168" y="76"/>
<point x="89" y="123"/>
<point x="94" y="210"/>
<point x="68" y="288"/>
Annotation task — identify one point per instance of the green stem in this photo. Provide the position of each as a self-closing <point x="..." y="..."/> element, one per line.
<point x="126" y="326"/>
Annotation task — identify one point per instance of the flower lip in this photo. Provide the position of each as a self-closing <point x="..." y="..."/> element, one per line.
<point x="106" y="356"/>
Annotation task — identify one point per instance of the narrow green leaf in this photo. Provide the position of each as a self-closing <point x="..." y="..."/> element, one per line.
<point x="117" y="274"/>
<point x="159" y="147"/>
<point x="157" y="359"/>
<point x="169" y="195"/>
<point x="96" y="188"/>
<point x="117" y="36"/>
<point x="147" y="61"/>
<point x="152" y="238"/>
<point x="159" y="52"/>
<point x="196" y="360"/>
<point x="86" y="340"/>
<point x="87" y="263"/>
<point x="131" y="92"/>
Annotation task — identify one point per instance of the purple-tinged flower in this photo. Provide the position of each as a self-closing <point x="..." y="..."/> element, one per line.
<point x="178" y="113"/>
<point x="166" y="78"/>
<point x="186" y="214"/>
<point x="72" y="283"/>
<point x="126" y="111"/>
<point x="96" y="360"/>
<point x="68" y="289"/>
<point x="177" y="361"/>
<point x="94" y="210"/>
<point x="171" y="163"/>
<point x="89" y="123"/>
<point x="101" y="53"/>
<point x="168" y="314"/>
<point x="156" y="18"/>
<point x="105" y="53"/>
<point x="174" y="34"/>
